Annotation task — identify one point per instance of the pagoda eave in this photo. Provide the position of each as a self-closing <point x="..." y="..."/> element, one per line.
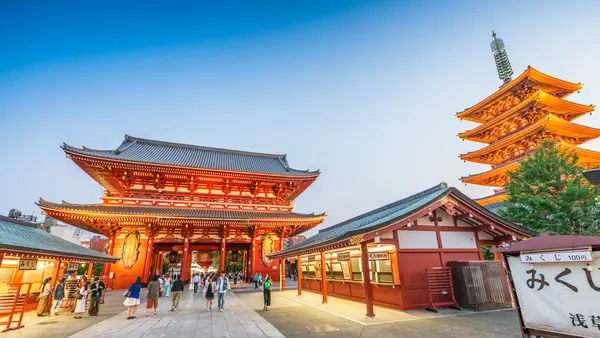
<point x="546" y="82"/>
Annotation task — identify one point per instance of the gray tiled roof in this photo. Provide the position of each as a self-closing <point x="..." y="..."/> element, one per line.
<point x="396" y="211"/>
<point x="19" y="236"/>
<point x="122" y="210"/>
<point x="495" y="207"/>
<point x="182" y="155"/>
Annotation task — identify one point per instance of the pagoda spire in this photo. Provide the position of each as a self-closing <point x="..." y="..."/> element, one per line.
<point x="502" y="63"/>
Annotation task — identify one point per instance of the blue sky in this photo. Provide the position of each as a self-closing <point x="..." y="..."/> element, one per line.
<point x="366" y="91"/>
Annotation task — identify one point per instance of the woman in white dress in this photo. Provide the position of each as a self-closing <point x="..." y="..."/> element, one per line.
<point x="81" y="299"/>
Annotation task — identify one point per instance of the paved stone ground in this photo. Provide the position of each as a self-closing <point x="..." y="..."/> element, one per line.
<point x="237" y="321"/>
<point x="64" y="325"/>
<point x="295" y="318"/>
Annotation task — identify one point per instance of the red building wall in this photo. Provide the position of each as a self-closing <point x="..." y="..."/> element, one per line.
<point x="124" y="277"/>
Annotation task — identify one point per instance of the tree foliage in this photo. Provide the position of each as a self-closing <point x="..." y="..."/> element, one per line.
<point x="548" y="193"/>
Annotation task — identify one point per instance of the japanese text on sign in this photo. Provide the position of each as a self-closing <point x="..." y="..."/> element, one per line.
<point x="343" y="256"/>
<point x="378" y="256"/>
<point x="557" y="257"/>
<point x="556" y="297"/>
<point x="73" y="266"/>
<point x="28" y="264"/>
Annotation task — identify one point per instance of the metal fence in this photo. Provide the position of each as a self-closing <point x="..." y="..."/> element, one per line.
<point x="480" y="285"/>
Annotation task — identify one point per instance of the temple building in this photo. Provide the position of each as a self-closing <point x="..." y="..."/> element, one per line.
<point x="515" y="119"/>
<point x="384" y="256"/>
<point x="174" y="205"/>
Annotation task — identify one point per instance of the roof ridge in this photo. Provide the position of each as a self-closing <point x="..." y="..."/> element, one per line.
<point x="19" y="222"/>
<point x="191" y="146"/>
<point x="442" y="185"/>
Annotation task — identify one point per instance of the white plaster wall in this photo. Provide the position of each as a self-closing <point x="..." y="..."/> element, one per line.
<point x="408" y="239"/>
<point x="425" y="221"/>
<point x="447" y="220"/>
<point x="458" y="240"/>
<point x="387" y="235"/>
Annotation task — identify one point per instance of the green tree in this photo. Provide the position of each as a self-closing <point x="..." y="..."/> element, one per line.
<point x="548" y="193"/>
<point x="97" y="269"/>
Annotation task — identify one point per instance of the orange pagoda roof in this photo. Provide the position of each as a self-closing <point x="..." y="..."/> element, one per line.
<point x="533" y="78"/>
<point x="492" y="199"/>
<point x="551" y="124"/>
<point x="551" y="104"/>
<point x="497" y="176"/>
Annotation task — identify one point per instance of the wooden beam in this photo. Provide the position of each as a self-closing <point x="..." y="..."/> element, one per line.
<point x="504" y="238"/>
<point x="484" y="227"/>
<point x="463" y="216"/>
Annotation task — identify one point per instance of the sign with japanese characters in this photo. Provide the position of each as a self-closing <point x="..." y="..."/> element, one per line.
<point x="378" y="256"/>
<point x="73" y="266"/>
<point x="557" y="257"/>
<point x="27" y="263"/>
<point x="343" y="256"/>
<point x="558" y="296"/>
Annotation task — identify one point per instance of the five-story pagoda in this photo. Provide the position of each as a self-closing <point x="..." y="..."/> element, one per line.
<point x="175" y="203"/>
<point x="518" y="117"/>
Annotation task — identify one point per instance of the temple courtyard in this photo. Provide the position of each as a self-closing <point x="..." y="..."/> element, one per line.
<point x="289" y="316"/>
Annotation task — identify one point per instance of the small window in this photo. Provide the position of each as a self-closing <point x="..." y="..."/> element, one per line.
<point x="356" y="269"/>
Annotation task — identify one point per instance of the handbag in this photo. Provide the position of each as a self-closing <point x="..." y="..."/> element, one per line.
<point x="127" y="293"/>
<point x="80" y="296"/>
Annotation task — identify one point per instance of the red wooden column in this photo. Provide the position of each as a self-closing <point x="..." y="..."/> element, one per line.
<point x="252" y="256"/>
<point x="1" y="258"/>
<point x="282" y="263"/>
<point x="367" y="279"/>
<point x="323" y="277"/>
<point x="299" y="267"/>
<point x="222" y="251"/>
<point x="90" y="269"/>
<point x="109" y="250"/>
<point x="186" y="262"/>
<point x="148" y="259"/>
<point x="245" y="264"/>
<point x="57" y="264"/>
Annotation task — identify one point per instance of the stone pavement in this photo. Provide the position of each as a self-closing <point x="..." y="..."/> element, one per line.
<point x="64" y="325"/>
<point x="237" y="321"/>
<point x="305" y="317"/>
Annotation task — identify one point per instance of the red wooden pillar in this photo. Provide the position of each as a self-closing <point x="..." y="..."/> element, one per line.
<point x="245" y="264"/>
<point x="299" y="267"/>
<point x="252" y="257"/>
<point x="109" y="250"/>
<point x="148" y="260"/>
<point x="222" y="254"/>
<point x="186" y="261"/>
<point x="90" y="269"/>
<point x="367" y="279"/>
<point x="57" y="264"/>
<point x="1" y="258"/>
<point x="323" y="277"/>
<point x="282" y="263"/>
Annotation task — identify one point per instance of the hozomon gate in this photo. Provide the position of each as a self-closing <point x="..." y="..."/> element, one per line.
<point x="162" y="196"/>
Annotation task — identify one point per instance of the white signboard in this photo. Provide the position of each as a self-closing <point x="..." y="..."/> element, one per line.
<point x="559" y="297"/>
<point x="378" y="256"/>
<point x="557" y="257"/>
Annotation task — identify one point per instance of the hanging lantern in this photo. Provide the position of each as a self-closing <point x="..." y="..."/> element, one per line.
<point x="205" y="259"/>
<point x="173" y="257"/>
<point x="235" y="256"/>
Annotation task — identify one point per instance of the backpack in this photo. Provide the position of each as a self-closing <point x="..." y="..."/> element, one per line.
<point x="267" y="284"/>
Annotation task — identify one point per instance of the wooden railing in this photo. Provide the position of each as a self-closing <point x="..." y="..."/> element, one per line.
<point x="13" y="301"/>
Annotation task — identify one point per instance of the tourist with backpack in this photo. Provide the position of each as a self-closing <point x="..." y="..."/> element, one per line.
<point x="222" y="287"/>
<point x="267" y="291"/>
<point x="256" y="280"/>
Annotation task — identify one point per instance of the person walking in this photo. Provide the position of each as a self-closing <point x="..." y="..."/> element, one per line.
<point x="167" y="286"/>
<point x="133" y="297"/>
<point x="57" y="296"/>
<point x="94" y="299"/>
<point x="45" y="291"/>
<point x="196" y="280"/>
<point x="152" y="296"/>
<point x="222" y="287"/>
<point x="209" y="293"/>
<point x="267" y="292"/>
<point x="256" y="280"/>
<point x="176" y="291"/>
<point x="161" y="282"/>
<point x="81" y="299"/>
